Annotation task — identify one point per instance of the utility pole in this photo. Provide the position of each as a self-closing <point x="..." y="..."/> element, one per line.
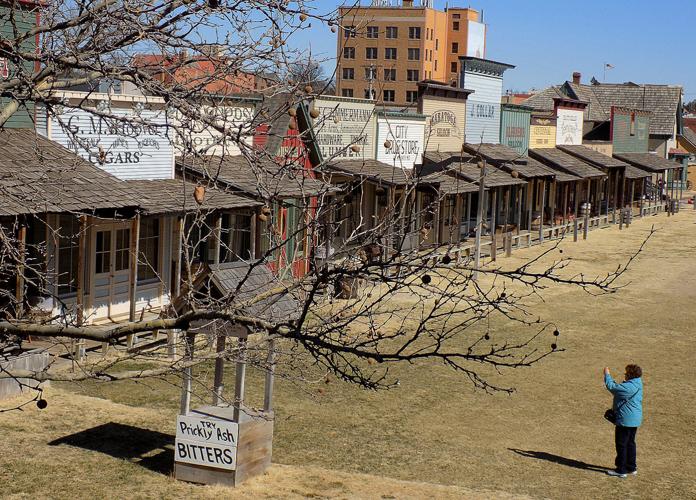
<point x="479" y="220"/>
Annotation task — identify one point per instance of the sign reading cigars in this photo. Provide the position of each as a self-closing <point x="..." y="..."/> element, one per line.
<point x="206" y="441"/>
<point x="126" y="144"/>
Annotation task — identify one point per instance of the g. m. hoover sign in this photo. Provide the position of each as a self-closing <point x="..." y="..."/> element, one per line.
<point x="125" y="144"/>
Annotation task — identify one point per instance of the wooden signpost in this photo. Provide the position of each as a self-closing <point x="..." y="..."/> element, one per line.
<point x="224" y="443"/>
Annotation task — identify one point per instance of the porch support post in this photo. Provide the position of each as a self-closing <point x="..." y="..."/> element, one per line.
<point x="493" y="222"/>
<point x="185" y="404"/>
<point x="543" y="206"/>
<point x="633" y="197"/>
<point x="530" y="209"/>
<point x="218" y="385"/>
<point x="134" y="254"/>
<point x="519" y="191"/>
<point x="552" y="195"/>
<point x="586" y="223"/>
<point x="80" y="298"/>
<point x="575" y="211"/>
<point x="438" y="222"/>
<point x="21" y="261"/>
<point x="217" y="238"/>
<point x="468" y="214"/>
<point x="270" y="373"/>
<point x="173" y="335"/>
<point x="240" y="377"/>
<point x="389" y="221"/>
<point x="479" y="221"/>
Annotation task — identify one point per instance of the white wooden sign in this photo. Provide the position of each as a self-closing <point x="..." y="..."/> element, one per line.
<point x="206" y="139"/>
<point x="569" y="127"/>
<point x="343" y="123"/>
<point x="137" y="148"/>
<point x="400" y="142"/>
<point x="206" y="441"/>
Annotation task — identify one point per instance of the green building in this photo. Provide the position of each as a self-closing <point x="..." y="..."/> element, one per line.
<point x="13" y="25"/>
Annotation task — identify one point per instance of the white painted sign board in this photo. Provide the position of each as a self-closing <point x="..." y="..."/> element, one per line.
<point x="476" y="40"/>
<point x="569" y="127"/>
<point x="206" y="441"/>
<point x="405" y="141"/>
<point x="344" y="122"/>
<point x="138" y="148"/>
<point x="208" y="140"/>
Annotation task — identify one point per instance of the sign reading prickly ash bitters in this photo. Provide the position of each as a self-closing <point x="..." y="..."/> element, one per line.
<point x="400" y="140"/>
<point x="343" y="123"/>
<point x="207" y="441"/>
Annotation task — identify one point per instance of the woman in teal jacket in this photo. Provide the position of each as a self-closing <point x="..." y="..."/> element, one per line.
<point x="628" y="406"/>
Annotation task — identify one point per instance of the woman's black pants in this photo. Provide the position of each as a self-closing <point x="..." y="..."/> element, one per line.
<point x="625" y="438"/>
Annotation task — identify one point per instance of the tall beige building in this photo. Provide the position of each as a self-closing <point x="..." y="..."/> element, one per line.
<point x="386" y="48"/>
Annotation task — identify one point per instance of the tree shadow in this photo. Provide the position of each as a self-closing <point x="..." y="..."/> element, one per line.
<point x="568" y="462"/>
<point x="150" y="449"/>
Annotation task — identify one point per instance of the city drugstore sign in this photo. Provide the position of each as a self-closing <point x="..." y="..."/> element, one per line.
<point x="400" y="141"/>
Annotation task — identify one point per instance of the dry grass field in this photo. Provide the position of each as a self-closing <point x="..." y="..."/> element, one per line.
<point x="433" y="436"/>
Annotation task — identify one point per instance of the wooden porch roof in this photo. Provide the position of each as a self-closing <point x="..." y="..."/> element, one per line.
<point x="509" y="159"/>
<point x="603" y="161"/>
<point x="494" y="177"/>
<point x="176" y="196"/>
<point x="373" y="170"/>
<point x="560" y="160"/>
<point x="559" y="175"/>
<point x="259" y="177"/>
<point x="449" y="183"/>
<point x="648" y="161"/>
<point x="38" y="176"/>
<point x="593" y="157"/>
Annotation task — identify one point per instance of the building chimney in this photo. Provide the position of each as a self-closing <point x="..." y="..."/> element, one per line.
<point x="576" y="78"/>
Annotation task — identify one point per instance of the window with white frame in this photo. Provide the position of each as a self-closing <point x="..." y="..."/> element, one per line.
<point x="148" y="247"/>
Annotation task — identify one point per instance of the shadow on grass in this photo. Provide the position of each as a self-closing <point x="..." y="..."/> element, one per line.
<point x="150" y="449"/>
<point x="568" y="462"/>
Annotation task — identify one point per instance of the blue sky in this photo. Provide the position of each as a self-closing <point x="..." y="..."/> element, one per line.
<point x="646" y="42"/>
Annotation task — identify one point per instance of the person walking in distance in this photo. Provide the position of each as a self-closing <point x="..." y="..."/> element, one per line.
<point x="628" y="408"/>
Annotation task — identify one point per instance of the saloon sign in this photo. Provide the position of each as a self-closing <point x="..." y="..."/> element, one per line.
<point x="126" y="144"/>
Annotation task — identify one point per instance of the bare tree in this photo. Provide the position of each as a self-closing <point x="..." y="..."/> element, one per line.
<point x="375" y="299"/>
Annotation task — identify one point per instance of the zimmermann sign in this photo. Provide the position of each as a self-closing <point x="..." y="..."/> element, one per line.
<point x="343" y="123"/>
<point x="206" y="441"/>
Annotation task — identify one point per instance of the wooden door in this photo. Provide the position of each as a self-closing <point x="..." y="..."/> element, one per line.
<point x="111" y="271"/>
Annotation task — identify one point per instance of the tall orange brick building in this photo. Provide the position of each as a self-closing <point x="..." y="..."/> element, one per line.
<point x="386" y="48"/>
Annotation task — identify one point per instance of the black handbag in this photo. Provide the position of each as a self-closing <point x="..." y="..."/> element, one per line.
<point x="610" y="415"/>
